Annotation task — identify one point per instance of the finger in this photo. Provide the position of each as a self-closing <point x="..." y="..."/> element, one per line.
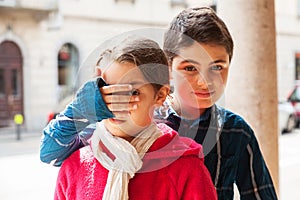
<point x="121" y="99"/>
<point x="118" y="88"/>
<point x="122" y="107"/>
<point x="121" y="115"/>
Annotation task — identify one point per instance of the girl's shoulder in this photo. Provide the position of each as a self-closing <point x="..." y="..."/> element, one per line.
<point x="83" y="156"/>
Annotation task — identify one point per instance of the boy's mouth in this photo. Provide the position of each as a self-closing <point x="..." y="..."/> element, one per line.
<point x="203" y="94"/>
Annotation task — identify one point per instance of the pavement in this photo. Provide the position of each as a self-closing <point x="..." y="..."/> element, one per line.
<point x="289" y="165"/>
<point x="24" y="177"/>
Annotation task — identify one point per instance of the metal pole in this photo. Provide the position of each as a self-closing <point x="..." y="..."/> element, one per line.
<point x="18" y="132"/>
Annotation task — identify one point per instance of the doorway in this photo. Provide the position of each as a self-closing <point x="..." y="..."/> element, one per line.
<point x="11" y="82"/>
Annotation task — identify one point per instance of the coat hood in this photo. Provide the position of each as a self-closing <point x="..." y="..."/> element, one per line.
<point x="168" y="148"/>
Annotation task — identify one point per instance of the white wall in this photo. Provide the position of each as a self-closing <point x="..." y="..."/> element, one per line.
<point x="288" y="43"/>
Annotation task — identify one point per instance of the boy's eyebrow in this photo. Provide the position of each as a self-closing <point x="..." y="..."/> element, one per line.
<point x="195" y="62"/>
<point x="189" y="61"/>
<point x="218" y="61"/>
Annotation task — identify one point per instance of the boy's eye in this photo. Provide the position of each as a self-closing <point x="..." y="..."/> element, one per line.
<point x="216" y="67"/>
<point x="134" y="92"/>
<point x="190" y="68"/>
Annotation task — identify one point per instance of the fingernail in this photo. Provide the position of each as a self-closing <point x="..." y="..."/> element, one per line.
<point x="134" y="106"/>
<point x="136" y="99"/>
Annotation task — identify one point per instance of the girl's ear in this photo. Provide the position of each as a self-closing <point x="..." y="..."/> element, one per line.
<point x="97" y="72"/>
<point x="161" y="95"/>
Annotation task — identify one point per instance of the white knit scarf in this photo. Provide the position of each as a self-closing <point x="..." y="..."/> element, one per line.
<point x="128" y="158"/>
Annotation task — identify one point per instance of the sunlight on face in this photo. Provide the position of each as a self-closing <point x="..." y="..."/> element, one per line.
<point x="199" y="74"/>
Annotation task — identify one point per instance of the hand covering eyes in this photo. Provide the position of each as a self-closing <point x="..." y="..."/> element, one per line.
<point x="101" y="83"/>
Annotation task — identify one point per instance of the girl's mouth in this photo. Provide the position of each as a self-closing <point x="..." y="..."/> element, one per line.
<point x="116" y="121"/>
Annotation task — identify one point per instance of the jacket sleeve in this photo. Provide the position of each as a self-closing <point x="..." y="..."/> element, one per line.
<point x="74" y="126"/>
<point x="253" y="177"/>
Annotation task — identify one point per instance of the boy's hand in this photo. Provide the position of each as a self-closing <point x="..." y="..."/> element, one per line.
<point x="118" y="99"/>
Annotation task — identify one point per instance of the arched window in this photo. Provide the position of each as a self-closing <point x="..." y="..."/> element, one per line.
<point x="68" y="64"/>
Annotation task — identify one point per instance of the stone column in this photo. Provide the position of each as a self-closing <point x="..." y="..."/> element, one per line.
<point x="252" y="83"/>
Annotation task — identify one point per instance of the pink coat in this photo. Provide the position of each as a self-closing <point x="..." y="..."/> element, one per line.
<point x="173" y="168"/>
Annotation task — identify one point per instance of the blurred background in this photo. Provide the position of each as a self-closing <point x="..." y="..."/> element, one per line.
<point x="44" y="43"/>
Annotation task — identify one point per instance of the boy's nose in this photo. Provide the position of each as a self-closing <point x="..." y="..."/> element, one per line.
<point x="201" y="79"/>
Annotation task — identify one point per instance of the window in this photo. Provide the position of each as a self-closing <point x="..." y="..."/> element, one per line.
<point x="68" y="64"/>
<point x="2" y="84"/>
<point x="295" y="96"/>
<point x="15" y="83"/>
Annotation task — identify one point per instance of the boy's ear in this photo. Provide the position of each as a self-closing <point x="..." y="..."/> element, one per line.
<point x="170" y="72"/>
<point x="162" y="95"/>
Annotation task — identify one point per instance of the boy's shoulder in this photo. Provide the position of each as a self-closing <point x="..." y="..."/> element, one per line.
<point x="230" y="116"/>
<point x="233" y="121"/>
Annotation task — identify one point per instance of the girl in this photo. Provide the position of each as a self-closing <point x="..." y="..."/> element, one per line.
<point x="130" y="156"/>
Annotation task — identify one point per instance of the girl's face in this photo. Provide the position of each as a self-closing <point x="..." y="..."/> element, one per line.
<point x="138" y="119"/>
<point x="199" y="74"/>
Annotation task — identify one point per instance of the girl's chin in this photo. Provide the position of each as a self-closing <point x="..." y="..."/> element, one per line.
<point x="196" y="105"/>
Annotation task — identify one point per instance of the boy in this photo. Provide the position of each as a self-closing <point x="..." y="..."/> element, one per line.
<point x="199" y="48"/>
<point x="130" y="157"/>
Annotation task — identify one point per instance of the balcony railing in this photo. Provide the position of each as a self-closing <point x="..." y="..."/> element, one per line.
<point x="39" y="5"/>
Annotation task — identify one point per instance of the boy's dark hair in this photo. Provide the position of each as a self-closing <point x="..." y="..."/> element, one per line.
<point x="199" y="24"/>
<point x="146" y="54"/>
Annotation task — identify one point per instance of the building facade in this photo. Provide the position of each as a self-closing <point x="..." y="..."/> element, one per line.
<point x="44" y="43"/>
<point x="43" y="46"/>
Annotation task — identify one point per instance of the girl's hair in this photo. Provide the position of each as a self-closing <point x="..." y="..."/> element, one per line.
<point x="196" y="24"/>
<point x="145" y="54"/>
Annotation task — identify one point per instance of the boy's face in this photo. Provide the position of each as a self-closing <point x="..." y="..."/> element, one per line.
<point x="199" y="74"/>
<point x="129" y="125"/>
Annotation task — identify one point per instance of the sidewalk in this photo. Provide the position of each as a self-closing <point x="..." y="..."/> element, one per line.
<point x="23" y="175"/>
<point x="10" y="145"/>
<point x="289" y="165"/>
